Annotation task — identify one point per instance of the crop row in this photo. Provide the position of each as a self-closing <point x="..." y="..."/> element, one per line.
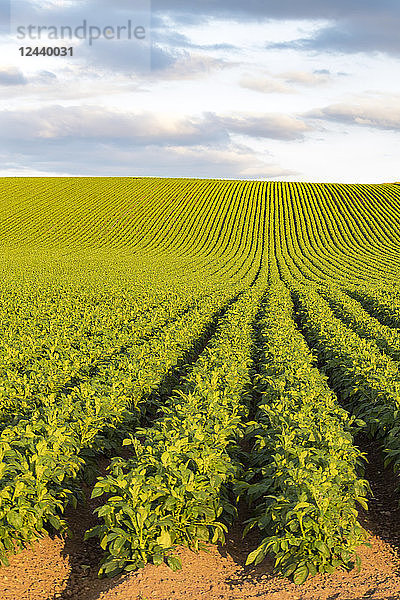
<point x="42" y="455"/>
<point x="172" y="489"/>
<point x="367" y="381"/>
<point x="305" y="484"/>
<point x="161" y="312"/>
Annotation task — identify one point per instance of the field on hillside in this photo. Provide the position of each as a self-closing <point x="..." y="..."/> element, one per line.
<point x="194" y="360"/>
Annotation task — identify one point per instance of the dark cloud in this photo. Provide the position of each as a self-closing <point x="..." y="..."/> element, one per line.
<point x="353" y="25"/>
<point x="102" y="125"/>
<point x="81" y="157"/>
<point x="192" y="10"/>
<point x="274" y="9"/>
<point x="99" y="124"/>
<point x="363" y="33"/>
<point x="346" y="26"/>
<point x="93" y="141"/>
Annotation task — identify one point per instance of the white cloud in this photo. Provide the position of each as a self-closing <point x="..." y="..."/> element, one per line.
<point x="273" y="126"/>
<point x="222" y="73"/>
<point x="190" y="66"/>
<point x="306" y="77"/>
<point x="264" y="84"/>
<point x="382" y="112"/>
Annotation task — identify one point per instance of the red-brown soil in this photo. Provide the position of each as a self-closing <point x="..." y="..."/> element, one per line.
<point x="66" y="569"/>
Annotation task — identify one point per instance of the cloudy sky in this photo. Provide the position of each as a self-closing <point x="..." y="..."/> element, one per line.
<point x="263" y="89"/>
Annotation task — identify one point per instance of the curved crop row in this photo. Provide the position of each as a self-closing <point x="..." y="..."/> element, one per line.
<point x="352" y="314"/>
<point x="114" y="292"/>
<point x="367" y="381"/>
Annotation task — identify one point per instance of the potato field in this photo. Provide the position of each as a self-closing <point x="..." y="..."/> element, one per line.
<point x="226" y="347"/>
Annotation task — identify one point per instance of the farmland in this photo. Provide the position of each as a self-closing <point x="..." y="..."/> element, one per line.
<point x="222" y="347"/>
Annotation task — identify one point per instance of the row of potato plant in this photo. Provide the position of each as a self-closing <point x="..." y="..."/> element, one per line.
<point x="351" y="312"/>
<point x="42" y="455"/>
<point x="172" y="488"/>
<point x="367" y="381"/>
<point x="382" y="302"/>
<point x="56" y="338"/>
<point x="303" y="485"/>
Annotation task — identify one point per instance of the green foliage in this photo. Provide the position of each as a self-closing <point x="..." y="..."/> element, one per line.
<point x="304" y="464"/>
<point x="367" y="380"/>
<point x="172" y="491"/>
<point x="128" y="312"/>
